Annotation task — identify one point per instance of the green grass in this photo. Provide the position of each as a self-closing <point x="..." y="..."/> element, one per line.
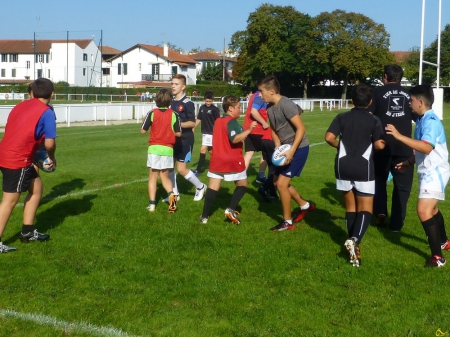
<point x="110" y="263"/>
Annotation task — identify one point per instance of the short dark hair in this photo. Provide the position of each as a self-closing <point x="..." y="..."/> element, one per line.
<point x="208" y="95"/>
<point x="361" y="95"/>
<point x="229" y="101"/>
<point x="394" y="73"/>
<point x="270" y="82"/>
<point x="42" y="88"/>
<point x="163" y="98"/>
<point x="425" y="93"/>
<point x="180" y="77"/>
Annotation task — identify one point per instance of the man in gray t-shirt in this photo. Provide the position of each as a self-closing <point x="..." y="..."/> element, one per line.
<point x="287" y="128"/>
<point x="280" y="116"/>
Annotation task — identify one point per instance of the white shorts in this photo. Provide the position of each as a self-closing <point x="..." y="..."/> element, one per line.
<point x="432" y="186"/>
<point x="229" y="176"/>
<point x="207" y="140"/>
<point x="158" y="162"/>
<point x="367" y="187"/>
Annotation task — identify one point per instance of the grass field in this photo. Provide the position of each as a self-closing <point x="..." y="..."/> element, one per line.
<point x="114" y="269"/>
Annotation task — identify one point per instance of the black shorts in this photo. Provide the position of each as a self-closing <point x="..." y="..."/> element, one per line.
<point x="268" y="148"/>
<point x="253" y="143"/>
<point x="18" y="180"/>
<point x="182" y="151"/>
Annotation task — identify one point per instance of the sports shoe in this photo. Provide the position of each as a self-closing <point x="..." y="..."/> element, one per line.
<point x="233" y="216"/>
<point x="199" y="193"/>
<point x="353" y="252"/>
<point x="172" y="203"/>
<point x="151" y="207"/>
<point x="436" y="261"/>
<point x="196" y="173"/>
<point x="6" y="249"/>
<point x="381" y="220"/>
<point x="261" y="180"/>
<point x="446" y="245"/>
<point x="33" y="236"/>
<point x="282" y="226"/>
<point x="203" y="220"/>
<point x="166" y="199"/>
<point x="264" y="194"/>
<point x="299" y="213"/>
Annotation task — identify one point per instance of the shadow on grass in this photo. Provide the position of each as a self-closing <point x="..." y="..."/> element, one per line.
<point x="62" y="189"/>
<point x="54" y="216"/>
<point x="331" y="194"/>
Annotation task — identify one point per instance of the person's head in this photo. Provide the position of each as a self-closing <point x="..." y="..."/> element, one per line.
<point x="422" y="98"/>
<point x="163" y="98"/>
<point x="42" y="88"/>
<point x="362" y="95"/>
<point x="393" y="73"/>
<point x="178" y="84"/>
<point x="232" y="106"/>
<point x="208" y="98"/>
<point x="269" y="88"/>
<point x="30" y="91"/>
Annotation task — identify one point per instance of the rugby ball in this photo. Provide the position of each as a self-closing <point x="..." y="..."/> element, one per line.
<point x="43" y="162"/>
<point x="277" y="158"/>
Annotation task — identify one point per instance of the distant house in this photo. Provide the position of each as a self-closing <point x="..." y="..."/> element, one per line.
<point x="74" y="61"/>
<point x="400" y="56"/>
<point x="144" y="65"/>
<point x="205" y="58"/>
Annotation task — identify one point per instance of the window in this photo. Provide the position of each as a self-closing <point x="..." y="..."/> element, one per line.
<point x="13" y="72"/>
<point x="4" y="57"/>
<point x="84" y="71"/>
<point x="155" y="69"/>
<point x="39" y="58"/>
<point x="3" y="73"/>
<point x="28" y="64"/>
<point x="46" y="58"/>
<point x="39" y="73"/>
<point x="48" y="74"/>
<point x="106" y="71"/>
<point x="13" y="57"/>
<point x="84" y="57"/>
<point x="125" y="72"/>
<point x="174" y="70"/>
<point x="92" y="57"/>
<point x="140" y="66"/>
<point x="119" y="68"/>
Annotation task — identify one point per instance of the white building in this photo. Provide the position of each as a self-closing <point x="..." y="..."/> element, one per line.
<point x="206" y="58"/>
<point x="77" y="62"/>
<point x="145" y="65"/>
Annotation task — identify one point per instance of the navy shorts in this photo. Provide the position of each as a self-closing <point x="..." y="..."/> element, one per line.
<point x="294" y="169"/>
<point x="18" y="180"/>
<point x="182" y="151"/>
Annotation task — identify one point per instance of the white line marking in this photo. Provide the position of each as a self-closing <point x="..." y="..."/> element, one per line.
<point x="66" y="326"/>
<point x="75" y="194"/>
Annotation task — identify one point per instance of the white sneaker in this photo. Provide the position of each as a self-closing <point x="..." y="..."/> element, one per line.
<point x="6" y="249"/>
<point x="200" y="193"/>
<point x="151" y="208"/>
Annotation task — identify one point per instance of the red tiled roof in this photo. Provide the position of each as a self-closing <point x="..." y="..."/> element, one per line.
<point x="109" y="50"/>
<point x="207" y="56"/>
<point x="400" y="55"/>
<point x="149" y="84"/>
<point x="42" y="46"/>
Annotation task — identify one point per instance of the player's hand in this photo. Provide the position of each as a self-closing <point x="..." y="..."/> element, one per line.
<point x="252" y="125"/>
<point x="289" y="154"/>
<point x="265" y="125"/>
<point x="391" y="130"/>
<point x="403" y="166"/>
<point x="50" y="163"/>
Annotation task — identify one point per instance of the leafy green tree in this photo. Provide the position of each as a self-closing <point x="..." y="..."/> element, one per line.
<point x="429" y="74"/>
<point x="353" y="46"/>
<point x="212" y="72"/>
<point x="271" y="44"/>
<point x="410" y="66"/>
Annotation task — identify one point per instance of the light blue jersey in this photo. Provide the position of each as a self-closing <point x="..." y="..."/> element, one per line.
<point x="433" y="168"/>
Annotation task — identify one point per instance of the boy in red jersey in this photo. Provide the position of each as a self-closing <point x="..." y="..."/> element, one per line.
<point x="165" y="126"/>
<point x="227" y="162"/>
<point x="29" y="123"/>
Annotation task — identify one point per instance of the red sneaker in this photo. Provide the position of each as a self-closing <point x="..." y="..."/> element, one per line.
<point x="299" y="213"/>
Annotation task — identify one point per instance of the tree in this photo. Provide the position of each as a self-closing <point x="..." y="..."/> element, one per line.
<point x="410" y="66"/>
<point x="270" y="45"/>
<point x="212" y="72"/>
<point x="353" y="46"/>
<point x="429" y="75"/>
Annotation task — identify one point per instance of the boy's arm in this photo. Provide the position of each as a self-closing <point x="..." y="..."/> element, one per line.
<point x="190" y="116"/>
<point x="331" y="139"/>
<point x="275" y="137"/>
<point x="177" y="125"/>
<point x="297" y="122"/>
<point x="147" y="122"/>
<point x="241" y="136"/>
<point x="418" y="145"/>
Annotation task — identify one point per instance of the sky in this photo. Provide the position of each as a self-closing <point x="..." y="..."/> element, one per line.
<point x="200" y="23"/>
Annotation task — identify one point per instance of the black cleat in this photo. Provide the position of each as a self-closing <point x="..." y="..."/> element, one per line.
<point x="33" y="236"/>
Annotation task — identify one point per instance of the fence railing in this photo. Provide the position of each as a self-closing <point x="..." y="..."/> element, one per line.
<point x="88" y="112"/>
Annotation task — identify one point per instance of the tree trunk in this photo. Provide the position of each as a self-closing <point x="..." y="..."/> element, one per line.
<point x="305" y="87"/>
<point x="344" y="88"/>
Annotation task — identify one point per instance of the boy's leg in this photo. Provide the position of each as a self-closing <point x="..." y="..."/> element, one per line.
<point x="31" y="204"/>
<point x="173" y="180"/>
<point x="202" y="158"/>
<point x="9" y="201"/>
<point x="445" y="243"/>
<point x="364" y="206"/>
<point x="152" y="182"/>
<point x="400" y="195"/>
<point x="190" y="176"/>
<point x="167" y="185"/>
<point x="350" y="211"/>
<point x="211" y="192"/>
<point x="239" y="191"/>
<point x="248" y="157"/>
<point x="425" y="210"/>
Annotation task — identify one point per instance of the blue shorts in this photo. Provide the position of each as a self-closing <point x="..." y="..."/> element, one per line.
<point x="294" y="169"/>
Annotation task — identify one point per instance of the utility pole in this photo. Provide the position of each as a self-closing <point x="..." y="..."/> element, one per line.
<point x="223" y="61"/>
